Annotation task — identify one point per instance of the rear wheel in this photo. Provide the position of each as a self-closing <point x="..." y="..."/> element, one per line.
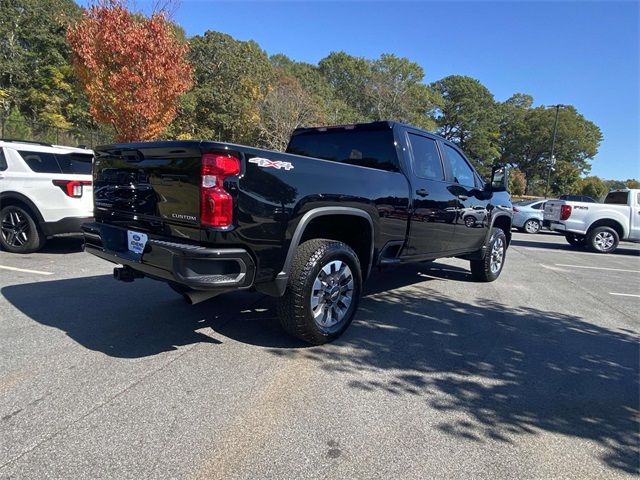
<point x="323" y="291"/>
<point x="575" y="240"/>
<point x="602" y="240"/>
<point x="532" y="226"/>
<point x="19" y="232"/>
<point x="489" y="268"/>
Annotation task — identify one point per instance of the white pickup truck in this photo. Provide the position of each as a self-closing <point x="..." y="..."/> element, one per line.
<point x="598" y="226"/>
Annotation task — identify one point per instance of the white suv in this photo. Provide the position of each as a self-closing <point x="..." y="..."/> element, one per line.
<point x="45" y="190"/>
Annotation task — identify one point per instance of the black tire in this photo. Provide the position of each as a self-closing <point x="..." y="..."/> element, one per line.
<point x="602" y="240"/>
<point x="532" y="226"/>
<point x="574" y="240"/>
<point x="489" y="268"/>
<point x="19" y="231"/>
<point x="295" y="306"/>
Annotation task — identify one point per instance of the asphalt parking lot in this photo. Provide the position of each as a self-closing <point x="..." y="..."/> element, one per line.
<point x="532" y="376"/>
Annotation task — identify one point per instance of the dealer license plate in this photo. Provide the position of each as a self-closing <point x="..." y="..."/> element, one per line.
<point x="136" y="241"/>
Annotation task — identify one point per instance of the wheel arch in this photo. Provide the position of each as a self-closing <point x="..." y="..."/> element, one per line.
<point x="502" y="221"/>
<point x="334" y="223"/>
<point x="15" y="198"/>
<point x="608" y="222"/>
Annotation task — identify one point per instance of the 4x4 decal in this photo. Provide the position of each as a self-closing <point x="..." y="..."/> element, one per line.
<point x="266" y="163"/>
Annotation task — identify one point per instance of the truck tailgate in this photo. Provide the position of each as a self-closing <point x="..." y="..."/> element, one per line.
<point x="148" y="186"/>
<point x="552" y="210"/>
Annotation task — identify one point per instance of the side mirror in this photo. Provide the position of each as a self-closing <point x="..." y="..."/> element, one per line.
<point x="499" y="179"/>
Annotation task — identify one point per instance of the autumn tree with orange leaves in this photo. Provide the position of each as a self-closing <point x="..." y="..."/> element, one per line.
<point x="132" y="68"/>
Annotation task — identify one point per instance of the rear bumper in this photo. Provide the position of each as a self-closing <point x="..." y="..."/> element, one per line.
<point x="194" y="266"/>
<point x="64" y="225"/>
<point x="557" y="226"/>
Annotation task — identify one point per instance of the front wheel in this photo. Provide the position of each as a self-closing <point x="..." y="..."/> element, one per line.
<point x="489" y="268"/>
<point x="322" y="293"/>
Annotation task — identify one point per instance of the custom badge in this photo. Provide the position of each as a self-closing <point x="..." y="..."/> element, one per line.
<point x="266" y="163"/>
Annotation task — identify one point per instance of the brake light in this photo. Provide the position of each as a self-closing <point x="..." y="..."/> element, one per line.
<point x="515" y="210"/>
<point x="73" y="188"/>
<point x="565" y="212"/>
<point x="216" y="204"/>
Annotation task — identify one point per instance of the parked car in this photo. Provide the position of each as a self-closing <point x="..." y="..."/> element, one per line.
<point x="528" y="215"/>
<point x="597" y="226"/>
<point x="578" y="198"/>
<point x="304" y="226"/>
<point x="45" y="190"/>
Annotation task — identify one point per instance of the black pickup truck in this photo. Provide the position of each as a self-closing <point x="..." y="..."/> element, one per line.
<point x="306" y="226"/>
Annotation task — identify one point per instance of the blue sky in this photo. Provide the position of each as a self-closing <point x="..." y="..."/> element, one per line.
<point x="577" y="52"/>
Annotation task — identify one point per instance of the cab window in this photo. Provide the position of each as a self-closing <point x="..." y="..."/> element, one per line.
<point x="460" y="169"/>
<point x="426" y="160"/>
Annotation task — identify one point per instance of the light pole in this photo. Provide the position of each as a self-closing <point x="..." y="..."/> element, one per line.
<point x="552" y="160"/>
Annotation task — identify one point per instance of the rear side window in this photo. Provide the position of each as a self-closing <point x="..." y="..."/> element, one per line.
<point x="365" y="148"/>
<point x="40" y="162"/>
<point x="76" y="163"/>
<point x="426" y="160"/>
<point x="462" y="172"/>
<point x="3" y="161"/>
<point x="617" y="198"/>
<point x="538" y="206"/>
<point x="71" y="163"/>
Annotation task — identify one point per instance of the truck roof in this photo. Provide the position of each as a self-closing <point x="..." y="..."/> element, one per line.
<point x="365" y="126"/>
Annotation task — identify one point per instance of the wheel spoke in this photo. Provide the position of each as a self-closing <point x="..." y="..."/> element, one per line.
<point x="19" y="240"/>
<point x="331" y="293"/>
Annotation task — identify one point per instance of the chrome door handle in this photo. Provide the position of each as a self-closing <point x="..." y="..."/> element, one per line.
<point x="422" y="192"/>
<point x="463" y="197"/>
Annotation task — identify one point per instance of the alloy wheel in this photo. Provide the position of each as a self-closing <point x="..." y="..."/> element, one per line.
<point x="332" y="294"/>
<point x="532" y="226"/>
<point x="603" y="241"/>
<point x="14" y="228"/>
<point x="497" y="255"/>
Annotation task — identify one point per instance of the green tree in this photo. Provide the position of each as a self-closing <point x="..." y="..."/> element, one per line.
<point x="469" y="117"/>
<point x="35" y="72"/>
<point x="593" y="187"/>
<point x="394" y="91"/>
<point x="615" y="184"/>
<point x="332" y="110"/>
<point x="525" y="141"/>
<point x="286" y="107"/>
<point x="347" y="75"/>
<point x="565" y="179"/>
<point x="16" y="126"/>
<point x="231" y="79"/>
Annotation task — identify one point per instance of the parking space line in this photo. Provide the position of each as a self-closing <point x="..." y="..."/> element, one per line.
<point x="597" y="268"/>
<point x="14" y="269"/>
<point x="624" y="294"/>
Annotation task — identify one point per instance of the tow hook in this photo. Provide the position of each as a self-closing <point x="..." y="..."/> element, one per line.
<point x="126" y="274"/>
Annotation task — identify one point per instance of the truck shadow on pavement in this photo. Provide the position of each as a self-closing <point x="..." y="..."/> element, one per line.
<point x="509" y="371"/>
